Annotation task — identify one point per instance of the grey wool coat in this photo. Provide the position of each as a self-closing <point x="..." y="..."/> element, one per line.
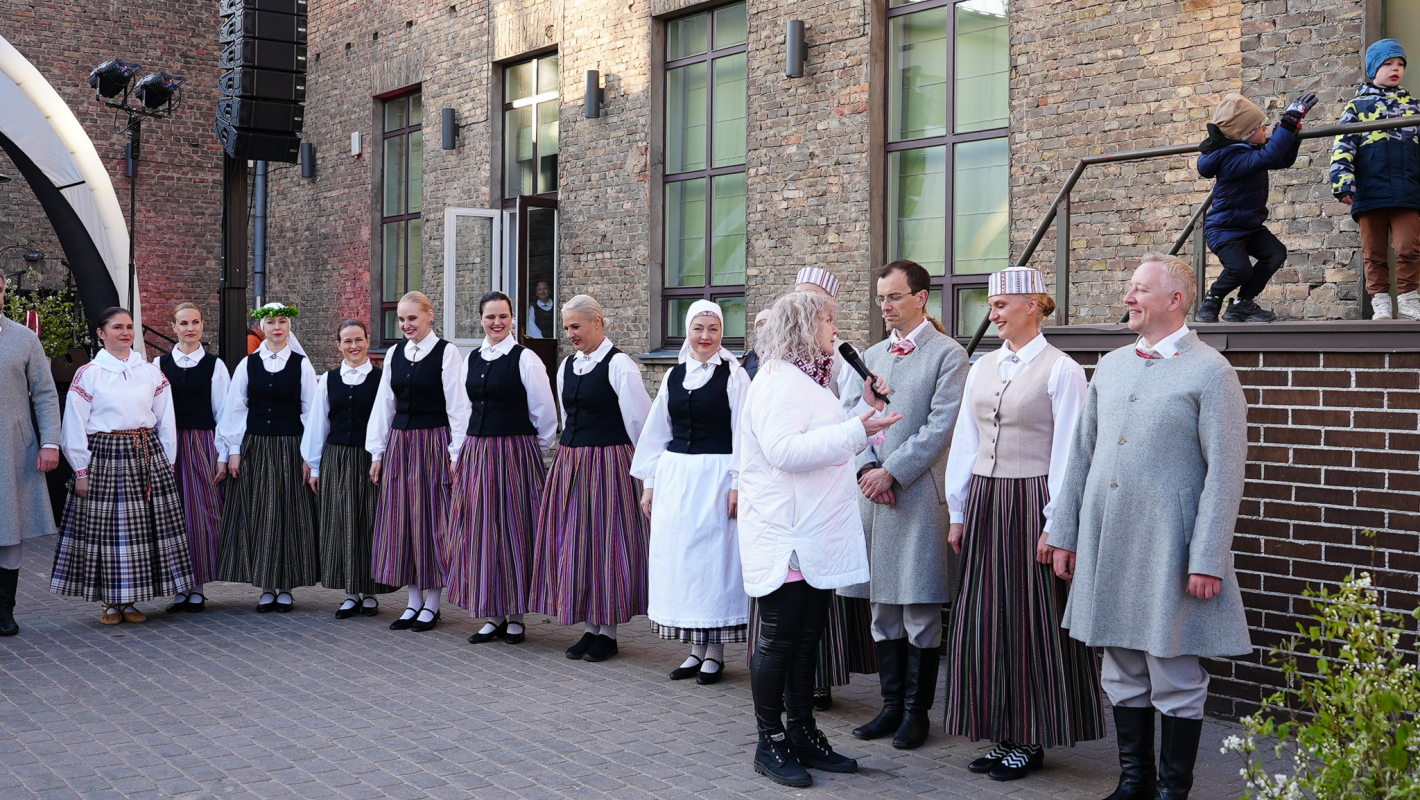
<point x="27" y="396"/>
<point x="1151" y="495"/>
<point x="908" y="554"/>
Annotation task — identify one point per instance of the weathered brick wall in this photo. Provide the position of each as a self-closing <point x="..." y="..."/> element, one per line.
<point x="1100" y="76"/>
<point x="1333" y="453"/>
<point x="180" y="169"/>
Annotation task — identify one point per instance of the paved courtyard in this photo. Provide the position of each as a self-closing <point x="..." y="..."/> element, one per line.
<point x="232" y="704"/>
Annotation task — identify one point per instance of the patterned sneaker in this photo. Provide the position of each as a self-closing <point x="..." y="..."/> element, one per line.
<point x="993" y="757"/>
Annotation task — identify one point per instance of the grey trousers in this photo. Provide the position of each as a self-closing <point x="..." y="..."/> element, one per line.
<point x="919" y="623"/>
<point x="1176" y="686"/>
<point x="10" y="556"/>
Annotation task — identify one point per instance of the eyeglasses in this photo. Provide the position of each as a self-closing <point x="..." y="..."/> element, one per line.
<point x="894" y="298"/>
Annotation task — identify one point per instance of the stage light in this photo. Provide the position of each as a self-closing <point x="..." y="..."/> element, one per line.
<point x="156" y="89"/>
<point x="33" y="255"/>
<point x="110" y="78"/>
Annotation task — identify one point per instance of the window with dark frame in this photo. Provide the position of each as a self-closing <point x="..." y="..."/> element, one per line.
<point x="704" y="184"/>
<point x="948" y="155"/>
<point x="530" y="127"/>
<point x="401" y="224"/>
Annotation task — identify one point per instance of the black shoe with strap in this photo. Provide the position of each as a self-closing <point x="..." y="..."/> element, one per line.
<point x="682" y="673"/>
<point x="1178" y="751"/>
<point x="994" y="756"/>
<point x="195" y="606"/>
<point x="370" y="611"/>
<point x="515" y="637"/>
<point x="1134" y="728"/>
<point x="346" y="612"/>
<point x="705" y="678"/>
<point x="1020" y="762"/>
<point x="499" y="631"/>
<point x="421" y="625"/>
<point x="177" y="606"/>
<point x="1247" y="311"/>
<point x="892" y="669"/>
<point x="774" y="760"/>
<point x="811" y="748"/>
<point x="404" y="623"/>
<point x="576" y="651"/>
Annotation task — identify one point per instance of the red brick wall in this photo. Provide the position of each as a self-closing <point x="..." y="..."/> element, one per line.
<point x="180" y="169"/>
<point x="1334" y="451"/>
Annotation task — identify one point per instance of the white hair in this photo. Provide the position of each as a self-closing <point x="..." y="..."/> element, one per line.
<point x="792" y="329"/>
<point x="586" y="305"/>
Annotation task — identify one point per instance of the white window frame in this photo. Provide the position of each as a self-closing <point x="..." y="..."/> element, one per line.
<point x="498" y="268"/>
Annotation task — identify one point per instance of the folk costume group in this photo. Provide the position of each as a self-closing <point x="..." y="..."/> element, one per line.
<point x="790" y="504"/>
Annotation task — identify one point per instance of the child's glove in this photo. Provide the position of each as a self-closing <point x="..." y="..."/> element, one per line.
<point x="1300" y="106"/>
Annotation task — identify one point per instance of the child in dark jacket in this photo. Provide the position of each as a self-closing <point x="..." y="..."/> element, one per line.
<point x="1378" y="175"/>
<point x="1238" y="154"/>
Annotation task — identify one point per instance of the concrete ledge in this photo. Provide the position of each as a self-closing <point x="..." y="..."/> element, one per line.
<point x="1385" y="336"/>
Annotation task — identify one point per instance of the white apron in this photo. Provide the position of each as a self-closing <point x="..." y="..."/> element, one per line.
<point x="694" y="570"/>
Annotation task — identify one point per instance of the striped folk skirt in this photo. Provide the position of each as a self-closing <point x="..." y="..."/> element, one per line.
<point x="269" y="518"/>
<point x="126" y="542"/>
<point x="347" y="520"/>
<point x="413" y="509"/>
<point x="492" y="512"/>
<point x="589" y="555"/>
<point x="1012" y="671"/>
<point x="846" y="646"/>
<point x="201" y="500"/>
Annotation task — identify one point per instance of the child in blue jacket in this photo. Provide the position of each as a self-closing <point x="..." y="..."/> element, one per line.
<point x="1238" y="154"/>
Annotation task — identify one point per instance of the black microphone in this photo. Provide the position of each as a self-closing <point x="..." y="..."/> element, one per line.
<point x="851" y="358"/>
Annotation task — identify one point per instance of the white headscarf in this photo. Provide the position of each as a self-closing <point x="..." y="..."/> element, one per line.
<point x="291" y="340"/>
<point x="711" y="308"/>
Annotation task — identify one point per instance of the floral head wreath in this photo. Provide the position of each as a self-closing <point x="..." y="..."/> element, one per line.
<point x="276" y="310"/>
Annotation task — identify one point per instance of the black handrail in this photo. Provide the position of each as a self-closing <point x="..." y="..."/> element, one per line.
<point x="1062" y="204"/>
<point x="147" y="330"/>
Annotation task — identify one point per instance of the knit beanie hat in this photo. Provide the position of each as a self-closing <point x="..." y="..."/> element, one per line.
<point x="1238" y="116"/>
<point x="1381" y="52"/>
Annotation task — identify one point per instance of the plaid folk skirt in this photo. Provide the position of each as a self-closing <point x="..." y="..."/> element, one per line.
<point x="127" y="541"/>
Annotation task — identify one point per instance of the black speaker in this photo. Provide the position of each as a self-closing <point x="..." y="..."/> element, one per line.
<point x="263" y="54"/>
<point x="279" y="6"/>
<point x="264" y="25"/>
<point x="257" y="146"/>
<point x="266" y="115"/>
<point x="263" y="84"/>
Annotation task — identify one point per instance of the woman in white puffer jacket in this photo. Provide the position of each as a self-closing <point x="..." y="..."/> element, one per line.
<point x="801" y="535"/>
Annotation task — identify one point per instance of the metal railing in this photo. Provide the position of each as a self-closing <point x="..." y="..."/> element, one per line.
<point x="165" y="350"/>
<point x="1059" y="213"/>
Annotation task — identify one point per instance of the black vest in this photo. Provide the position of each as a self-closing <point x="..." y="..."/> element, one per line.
<point x="418" y="389"/>
<point x="544" y="320"/>
<point x="700" y="418"/>
<point x="593" y="415"/>
<point x="192" y="392"/>
<point x="500" y="401"/>
<point x="350" y="407"/>
<point x="274" y="398"/>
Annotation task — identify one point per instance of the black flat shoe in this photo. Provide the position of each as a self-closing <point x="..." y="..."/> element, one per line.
<point x="988" y="762"/>
<point x="681" y="673"/>
<point x="1018" y="764"/>
<point x="516" y="638"/>
<point x="497" y="633"/>
<point x="707" y="678"/>
<point x="603" y="648"/>
<point x="404" y="623"/>
<point x="823" y="699"/>
<point x="176" y="607"/>
<point x="579" y="649"/>
<point x="370" y="611"/>
<point x="421" y="626"/>
<point x="196" y="606"/>
<point x="284" y="608"/>
<point x="266" y="608"/>
<point x="347" y="613"/>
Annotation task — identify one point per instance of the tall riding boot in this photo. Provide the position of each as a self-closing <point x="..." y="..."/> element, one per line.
<point x="1178" y="750"/>
<point x="9" y="581"/>
<point x="920" y="691"/>
<point x="1134" y="728"/>
<point x="892" y="673"/>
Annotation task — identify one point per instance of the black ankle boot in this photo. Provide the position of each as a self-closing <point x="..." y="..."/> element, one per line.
<point x="811" y="748"/>
<point x="1134" y="728"/>
<point x="919" y="692"/>
<point x="1178" y="750"/>
<point x="775" y="761"/>
<point x="9" y="582"/>
<point x="892" y="669"/>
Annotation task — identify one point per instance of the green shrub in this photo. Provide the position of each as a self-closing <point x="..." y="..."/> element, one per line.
<point x="61" y="321"/>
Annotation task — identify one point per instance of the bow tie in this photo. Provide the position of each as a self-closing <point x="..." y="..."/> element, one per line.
<point x="902" y="347"/>
<point x="1142" y="353"/>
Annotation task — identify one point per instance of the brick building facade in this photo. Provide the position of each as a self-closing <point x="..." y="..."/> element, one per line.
<point x="179" y="169"/>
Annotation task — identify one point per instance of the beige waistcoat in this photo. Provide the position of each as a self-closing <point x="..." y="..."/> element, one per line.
<point x="1014" y="418"/>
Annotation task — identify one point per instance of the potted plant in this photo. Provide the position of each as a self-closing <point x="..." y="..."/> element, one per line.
<point x="63" y="330"/>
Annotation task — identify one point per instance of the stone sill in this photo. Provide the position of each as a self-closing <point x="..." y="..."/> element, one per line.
<point x="1368" y="336"/>
<point x="669" y="358"/>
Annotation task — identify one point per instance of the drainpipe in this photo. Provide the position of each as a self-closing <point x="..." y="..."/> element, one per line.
<point x="258" y="249"/>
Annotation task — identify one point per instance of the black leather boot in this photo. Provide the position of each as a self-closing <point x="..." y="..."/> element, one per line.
<point x="1134" y="728"/>
<point x="892" y="671"/>
<point x="773" y="760"/>
<point x="1178" y="750"/>
<point x="811" y="748"/>
<point x="920" y="689"/>
<point x="9" y="581"/>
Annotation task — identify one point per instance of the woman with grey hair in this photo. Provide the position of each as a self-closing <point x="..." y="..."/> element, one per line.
<point x="800" y="532"/>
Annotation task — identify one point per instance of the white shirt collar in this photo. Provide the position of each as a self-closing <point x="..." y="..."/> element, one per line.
<point x="598" y="354"/>
<point x="713" y="361"/>
<point x="425" y="345"/>
<point x="911" y="337"/>
<point x="106" y="360"/>
<point x="363" y="369"/>
<point x="283" y="355"/>
<point x="1167" y="346"/>
<point x="188" y="359"/>
<point x="503" y="348"/>
<point x="546" y="307"/>
<point x="1032" y="349"/>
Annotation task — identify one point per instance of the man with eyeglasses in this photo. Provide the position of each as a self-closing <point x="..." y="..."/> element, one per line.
<point x="904" y="504"/>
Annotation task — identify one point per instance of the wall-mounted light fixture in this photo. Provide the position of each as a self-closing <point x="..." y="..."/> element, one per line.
<point x="308" y="160"/>
<point x="355" y="143"/>
<point x="450" y="130"/>
<point x="794" y="49"/>
<point x="594" y="96"/>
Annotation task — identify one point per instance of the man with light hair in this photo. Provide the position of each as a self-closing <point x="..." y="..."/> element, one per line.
<point x="1146" y="539"/>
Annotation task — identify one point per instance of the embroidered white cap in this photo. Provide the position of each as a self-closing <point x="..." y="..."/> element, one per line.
<point x="819" y="276"/>
<point x="1016" y="280"/>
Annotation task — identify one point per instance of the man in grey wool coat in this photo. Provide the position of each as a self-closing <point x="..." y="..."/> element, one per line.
<point x="904" y="504"/>
<point x="1144" y="527"/>
<point x="27" y="396"/>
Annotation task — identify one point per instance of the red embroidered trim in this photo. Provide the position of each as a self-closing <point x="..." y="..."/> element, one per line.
<point x="79" y="390"/>
<point x="161" y="387"/>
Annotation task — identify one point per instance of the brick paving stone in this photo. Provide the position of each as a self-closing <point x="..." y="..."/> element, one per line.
<point x="231" y="704"/>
